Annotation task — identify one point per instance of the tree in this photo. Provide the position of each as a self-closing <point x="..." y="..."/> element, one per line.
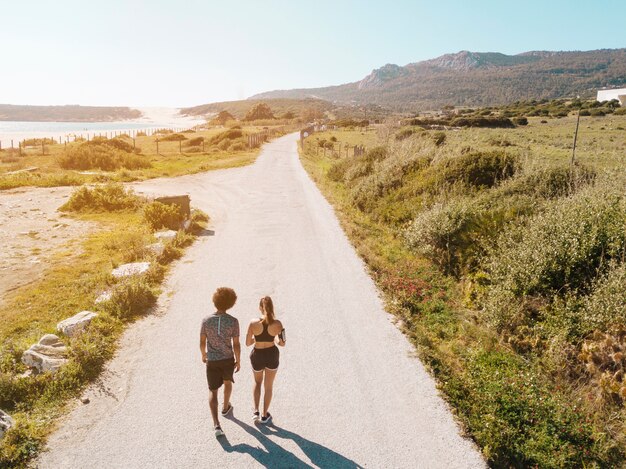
<point x="222" y="118"/>
<point x="259" y="111"/>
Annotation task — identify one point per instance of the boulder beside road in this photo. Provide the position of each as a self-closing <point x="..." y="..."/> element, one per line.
<point x="128" y="270"/>
<point x="6" y="422"/>
<point x="76" y="324"/>
<point x="49" y="354"/>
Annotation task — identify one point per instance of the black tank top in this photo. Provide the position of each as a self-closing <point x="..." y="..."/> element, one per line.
<point x="264" y="336"/>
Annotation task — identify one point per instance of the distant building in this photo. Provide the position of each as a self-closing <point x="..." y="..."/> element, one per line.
<point x="607" y="95"/>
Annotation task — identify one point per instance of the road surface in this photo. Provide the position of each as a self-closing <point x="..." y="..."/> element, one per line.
<point x="349" y="391"/>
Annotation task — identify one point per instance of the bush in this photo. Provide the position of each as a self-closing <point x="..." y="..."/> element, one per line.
<point x="117" y="143"/>
<point x="131" y="298"/>
<point x="35" y="142"/>
<point x="173" y="138"/>
<point x="439" y="234"/>
<point x="486" y="122"/>
<point x="560" y="250"/>
<point x="194" y="142"/>
<point x="550" y="183"/>
<point x="439" y="138"/>
<point x="404" y="133"/>
<point x="90" y="155"/>
<point x="477" y="169"/>
<point x="520" y="121"/>
<point x="238" y="146"/>
<point x="158" y="215"/>
<point x="259" y="111"/>
<point x="620" y="111"/>
<point x="104" y="198"/>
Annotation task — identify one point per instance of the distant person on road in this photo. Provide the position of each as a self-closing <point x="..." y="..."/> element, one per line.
<point x="264" y="333"/>
<point x="221" y="351"/>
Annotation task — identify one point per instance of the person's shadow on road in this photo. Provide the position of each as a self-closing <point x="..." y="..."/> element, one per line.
<point x="274" y="455"/>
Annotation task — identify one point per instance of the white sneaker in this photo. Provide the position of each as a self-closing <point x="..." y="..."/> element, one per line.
<point x="218" y="432"/>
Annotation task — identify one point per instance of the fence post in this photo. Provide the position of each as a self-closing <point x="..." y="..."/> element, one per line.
<point x="133" y="143"/>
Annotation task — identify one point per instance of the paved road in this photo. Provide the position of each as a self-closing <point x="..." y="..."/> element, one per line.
<point x="349" y="392"/>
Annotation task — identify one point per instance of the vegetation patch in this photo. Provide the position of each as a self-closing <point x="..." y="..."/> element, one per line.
<point x="506" y="269"/>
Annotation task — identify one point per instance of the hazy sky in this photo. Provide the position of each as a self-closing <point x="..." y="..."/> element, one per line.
<point x="187" y="52"/>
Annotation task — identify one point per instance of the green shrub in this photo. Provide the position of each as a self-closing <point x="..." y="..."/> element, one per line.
<point x="259" y="111"/>
<point x="475" y="169"/>
<point x="554" y="252"/>
<point x="158" y="215"/>
<point x="238" y="146"/>
<point x="486" y="122"/>
<point x="551" y="182"/>
<point x="520" y="121"/>
<point x="404" y="133"/>
<point x="130" y="298"/>
<point x="440" y="233"/>
<point x="90" y="155"/>
<point x="439" y="138"/>
<point x="173" y="138"/>
<point x="103" y="198"/>
<point x="194" y="142"/>
<point x="35" y="142"/>
<point x="117" y="143"/>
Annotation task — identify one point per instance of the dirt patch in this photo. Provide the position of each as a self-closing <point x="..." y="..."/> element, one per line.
<point x="31" y="231"/>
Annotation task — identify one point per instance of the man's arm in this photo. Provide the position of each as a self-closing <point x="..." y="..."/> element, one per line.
<point x="237" y="350"/>
<point x="203" y="346"/>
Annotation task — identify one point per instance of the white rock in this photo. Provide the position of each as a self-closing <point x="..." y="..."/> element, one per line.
<point x="6" y="422"/>
<point x="41" y="362"/>
<point x="169" y="234"/>
<point x="156" y="248"/>
<point x="104" y="296"/>
<point x="76" y="324"/>
<point x="127" y="270"/>
<point x="50" y="339"/>
<point x="46" y="355"/>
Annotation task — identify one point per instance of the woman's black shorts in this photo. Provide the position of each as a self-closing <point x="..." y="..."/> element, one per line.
<point x="262" y="358"/>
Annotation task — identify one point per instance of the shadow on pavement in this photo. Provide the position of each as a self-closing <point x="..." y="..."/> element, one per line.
<point x="270" y="455"/>
<point x="319" y="455"/>
<point x="273" y="455"/>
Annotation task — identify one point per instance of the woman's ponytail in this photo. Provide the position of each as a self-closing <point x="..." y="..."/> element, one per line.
<point x="268" y="310"/>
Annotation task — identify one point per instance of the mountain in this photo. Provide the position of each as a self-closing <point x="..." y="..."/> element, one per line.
<point x="71" y="113"/>
<point x="477" y="79"/>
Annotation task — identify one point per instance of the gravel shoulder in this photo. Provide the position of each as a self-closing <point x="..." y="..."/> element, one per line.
<point x="349" y="392"/>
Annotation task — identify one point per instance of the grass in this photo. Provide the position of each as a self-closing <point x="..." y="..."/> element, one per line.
<point x="78" y="274"/>
<point x="171" y="160"/>
<point x="448" y="235"/>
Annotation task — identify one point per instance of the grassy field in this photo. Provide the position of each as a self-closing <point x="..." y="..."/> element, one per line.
<point x="199" y="151"/>
<point x="78" y="274"/>
<point x="506" y="268"/>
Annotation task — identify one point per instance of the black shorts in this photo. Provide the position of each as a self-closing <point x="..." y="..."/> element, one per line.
<point x="262" y="358"/>
<point x="219" y="371"/>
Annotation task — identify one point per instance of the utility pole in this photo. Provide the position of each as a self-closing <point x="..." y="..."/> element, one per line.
<point x="571" y="170"/>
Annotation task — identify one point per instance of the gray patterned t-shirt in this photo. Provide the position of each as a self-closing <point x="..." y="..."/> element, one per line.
<point x="219" y="330"/>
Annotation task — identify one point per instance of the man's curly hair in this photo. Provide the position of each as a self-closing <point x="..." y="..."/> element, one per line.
<point x="224" y="298"/>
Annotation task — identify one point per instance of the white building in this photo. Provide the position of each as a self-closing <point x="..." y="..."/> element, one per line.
<point x="607" y="95"/>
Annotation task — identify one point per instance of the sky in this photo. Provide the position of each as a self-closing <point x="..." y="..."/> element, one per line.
<point x="182" y="53"/>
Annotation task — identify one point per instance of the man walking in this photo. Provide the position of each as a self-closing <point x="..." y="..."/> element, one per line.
<point x="221" y="351"/>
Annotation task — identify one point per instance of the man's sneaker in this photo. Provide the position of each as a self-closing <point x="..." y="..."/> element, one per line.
<point x="266" y="419"/>
<point x="218" y="431"/>
<point x="256" y="416"/>
<point x="227" y="411"/>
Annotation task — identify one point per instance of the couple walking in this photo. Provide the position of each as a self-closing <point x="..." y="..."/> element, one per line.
<point x="221" y="351"/>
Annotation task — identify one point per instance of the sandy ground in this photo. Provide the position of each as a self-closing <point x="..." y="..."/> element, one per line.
<point x="31" y="231"/>
<point x="349" y="391"/>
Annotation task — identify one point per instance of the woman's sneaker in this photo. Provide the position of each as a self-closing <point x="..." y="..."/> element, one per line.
<point x="256" y="416"/>
<point x="218" y="431"/>
<point x="266" y="419"/>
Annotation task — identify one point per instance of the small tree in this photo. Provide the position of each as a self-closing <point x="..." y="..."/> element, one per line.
<point x="222" y="118"/>
<point x="259" y="111"/>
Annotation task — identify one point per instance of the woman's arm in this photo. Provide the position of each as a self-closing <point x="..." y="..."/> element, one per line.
<point x="280" y="328"/>
<point x="249" y="336"/>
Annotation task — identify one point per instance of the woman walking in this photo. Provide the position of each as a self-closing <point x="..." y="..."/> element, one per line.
<point x="264" y="333"/>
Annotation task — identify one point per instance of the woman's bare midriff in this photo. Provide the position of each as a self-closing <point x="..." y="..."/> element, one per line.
<point x="262" y="345"/>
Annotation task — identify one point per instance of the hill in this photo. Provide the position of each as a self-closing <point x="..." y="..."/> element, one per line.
<point x="477" y="79"/>
<point x="240" y="108"/>
<point x="71" y="113"/>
